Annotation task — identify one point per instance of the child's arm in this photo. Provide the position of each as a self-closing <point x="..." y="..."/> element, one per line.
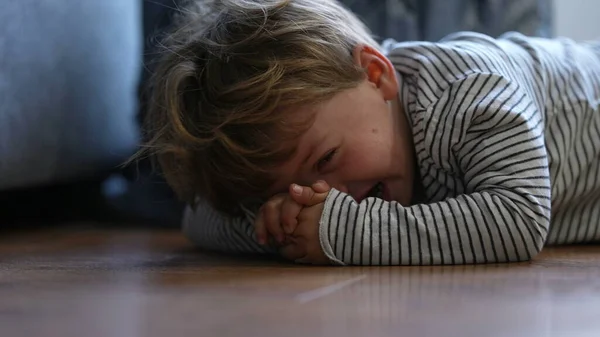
<point x="487" y="132"/>
<point x="211" y="230"/>
<point x="249" y="234"/>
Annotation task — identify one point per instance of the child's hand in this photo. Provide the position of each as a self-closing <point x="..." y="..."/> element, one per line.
<point x="269" y="222"/>
<point x="304" y="245"/>
<point x="278" y="216"/>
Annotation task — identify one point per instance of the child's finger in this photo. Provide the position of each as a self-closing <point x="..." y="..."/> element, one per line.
<point x="272" y="218"/>
<point x="321" y="186"/>
<point x="306" y="195"/>
<point x="259" y="227"/>
<point x="289" y="214"/>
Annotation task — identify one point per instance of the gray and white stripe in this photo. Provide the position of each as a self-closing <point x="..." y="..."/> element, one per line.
<point x="507" y="136"/>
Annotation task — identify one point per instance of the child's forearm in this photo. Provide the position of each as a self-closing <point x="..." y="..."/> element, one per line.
<point x="211" y="230"/>
<point x="486" y="227"/>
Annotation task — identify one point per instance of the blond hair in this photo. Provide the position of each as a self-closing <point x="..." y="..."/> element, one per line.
<point x="226" y="87"/>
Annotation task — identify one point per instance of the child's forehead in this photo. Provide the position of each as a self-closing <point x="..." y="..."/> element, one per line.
<point x="297" y="121"/>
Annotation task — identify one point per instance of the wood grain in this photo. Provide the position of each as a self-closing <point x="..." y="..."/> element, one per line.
<point x="89" y="282"/>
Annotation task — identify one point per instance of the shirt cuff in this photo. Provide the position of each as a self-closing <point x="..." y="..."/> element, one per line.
<point x="325" y="236"/>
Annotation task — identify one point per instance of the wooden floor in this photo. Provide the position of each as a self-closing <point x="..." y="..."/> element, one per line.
<point x="90" y="282"/>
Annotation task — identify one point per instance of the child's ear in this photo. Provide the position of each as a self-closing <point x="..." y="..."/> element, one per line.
<point x="378" y="68"/>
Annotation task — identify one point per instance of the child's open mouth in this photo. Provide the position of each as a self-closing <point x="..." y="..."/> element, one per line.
<point x="376" y="191"/>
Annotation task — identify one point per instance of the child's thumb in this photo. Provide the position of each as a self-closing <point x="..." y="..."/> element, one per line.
<point x="321" y="186"/>
<point x="306" y="195"/>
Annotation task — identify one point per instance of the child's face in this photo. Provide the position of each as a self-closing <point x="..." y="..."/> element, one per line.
<point x="360" y="139"/>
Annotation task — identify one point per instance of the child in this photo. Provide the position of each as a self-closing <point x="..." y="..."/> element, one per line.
<point x="470" y="150"/>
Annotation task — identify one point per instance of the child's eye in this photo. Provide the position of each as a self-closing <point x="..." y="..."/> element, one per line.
<point x="326" y="159"/>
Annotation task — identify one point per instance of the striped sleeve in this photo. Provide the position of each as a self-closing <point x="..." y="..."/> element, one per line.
<point x="492" y="132"/>
<point x="208" y="229"/>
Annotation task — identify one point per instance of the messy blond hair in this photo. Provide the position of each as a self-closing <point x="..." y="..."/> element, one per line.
<point x="231" y="76"/>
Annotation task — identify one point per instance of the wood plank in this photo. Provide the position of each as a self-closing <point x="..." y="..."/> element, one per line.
<point x="89" y="282"/>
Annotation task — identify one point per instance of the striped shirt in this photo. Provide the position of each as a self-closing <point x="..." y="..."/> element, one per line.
<point x="507" y="138"/>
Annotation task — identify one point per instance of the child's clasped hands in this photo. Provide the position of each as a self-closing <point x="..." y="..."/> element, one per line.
<point x="291" y="222"/>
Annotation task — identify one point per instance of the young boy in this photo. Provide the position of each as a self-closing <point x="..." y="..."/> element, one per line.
<point x="470" y="150"/>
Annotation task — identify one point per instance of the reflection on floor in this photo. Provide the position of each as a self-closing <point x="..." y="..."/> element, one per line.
<point x="78" y="282"/>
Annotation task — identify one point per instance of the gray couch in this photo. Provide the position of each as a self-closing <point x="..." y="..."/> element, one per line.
<point x="69" y="73"/>
<point x="431" y="20"/>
